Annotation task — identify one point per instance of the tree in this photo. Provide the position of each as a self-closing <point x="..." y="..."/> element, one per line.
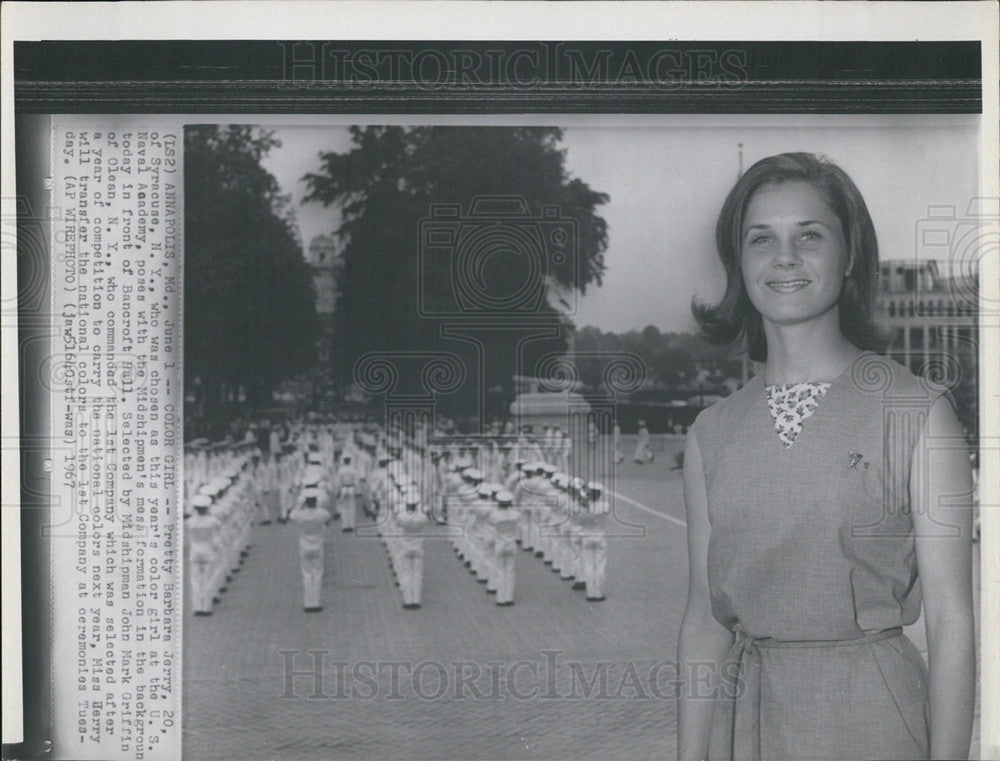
<point x="388" y="182"/>
<point x="249" y="317"/>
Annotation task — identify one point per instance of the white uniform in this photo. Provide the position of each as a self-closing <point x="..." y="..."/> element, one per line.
<point x="593" y="560"/>
<point x="482" y="558"/>
<point x="267" y="483"/>
<point x="220" y="568"/>
<point x="203" y="558"/>
<point x="558" y="516"/>
<point x="504" y="523"/>
<point x="527" y="498"/>
<point x="450" y="509"/>
<point x="224" y="509"/>
<point x="460" y="514"/>
<point x="512" y="483"/>
<point x="566" y="527"/>
<point x="577" y="524"/>
<point x="565" y="447"/>
<point x="642" y="453"/>
<point x="546" y="502"/>
<point x="549" y="445"/>
<point x="347" y="479"/>
<point x="312" y="536"/>
<point x="412" y="525"/>
<point x="288" y="476"/>
<point x="376" y="490"/>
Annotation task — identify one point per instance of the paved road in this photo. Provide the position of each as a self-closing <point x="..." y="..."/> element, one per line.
<point x="551" y="677"/>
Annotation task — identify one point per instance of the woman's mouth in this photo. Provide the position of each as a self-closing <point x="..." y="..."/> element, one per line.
<point x="787" y="286"/>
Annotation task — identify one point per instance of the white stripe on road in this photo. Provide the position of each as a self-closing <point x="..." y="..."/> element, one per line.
<point x="650" y="510"/>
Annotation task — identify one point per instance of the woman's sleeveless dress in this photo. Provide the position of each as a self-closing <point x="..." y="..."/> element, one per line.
<point x="812" y="564"/>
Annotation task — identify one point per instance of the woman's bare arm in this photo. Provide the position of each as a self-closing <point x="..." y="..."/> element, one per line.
<point x="941" y="499"/>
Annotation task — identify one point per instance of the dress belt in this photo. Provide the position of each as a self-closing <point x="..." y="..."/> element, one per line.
<point x="744" y="724"/>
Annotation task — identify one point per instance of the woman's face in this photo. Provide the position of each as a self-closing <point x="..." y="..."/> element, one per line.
<point x="793" y="254"/>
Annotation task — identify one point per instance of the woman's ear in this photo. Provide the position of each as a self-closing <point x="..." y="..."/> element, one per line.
<point x="850" y="265"/>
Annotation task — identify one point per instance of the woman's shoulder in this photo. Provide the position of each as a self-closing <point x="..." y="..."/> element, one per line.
<point x="721" y="414"/>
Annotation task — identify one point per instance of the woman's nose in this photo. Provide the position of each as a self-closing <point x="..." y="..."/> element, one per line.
<point x="786" y="254"/>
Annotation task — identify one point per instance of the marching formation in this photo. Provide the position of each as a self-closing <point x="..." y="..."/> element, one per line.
<point x="561" y="519"/>
<point x="489" y="495"/>
<point x="220" y="489"/>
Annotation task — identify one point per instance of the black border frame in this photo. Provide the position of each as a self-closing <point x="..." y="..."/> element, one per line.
<point x="297" y="77"/>
<point x="497" y="77"/>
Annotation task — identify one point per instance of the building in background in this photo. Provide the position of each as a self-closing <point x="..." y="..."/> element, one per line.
<point x="931" y="314"/>
<point x="935" y="321"/>
<point x="325" y="258"/>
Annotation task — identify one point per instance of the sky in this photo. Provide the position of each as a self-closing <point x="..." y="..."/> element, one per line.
<point x="667" y="179"/>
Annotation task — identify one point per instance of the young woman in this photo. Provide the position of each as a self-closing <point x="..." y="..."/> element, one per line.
<point x="821" y="515"/>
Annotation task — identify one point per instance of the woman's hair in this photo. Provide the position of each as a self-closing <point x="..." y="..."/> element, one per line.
<point x="734" y="321"/>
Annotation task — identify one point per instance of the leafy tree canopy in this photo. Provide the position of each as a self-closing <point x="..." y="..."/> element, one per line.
<point x="249" y="312"/>
<point x="390" y="180"/>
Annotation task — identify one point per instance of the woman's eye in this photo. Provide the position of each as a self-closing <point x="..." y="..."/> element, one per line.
<point x="811" y="236"/>
<point x="759" y="239"/>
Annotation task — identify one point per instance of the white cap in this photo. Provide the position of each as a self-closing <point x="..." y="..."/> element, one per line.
<point x="485" y="490"/>
<point x="201" y="500"/>
<point x="504" y="497"/>
<point x="310" y="493"/>
<point x="412" y="497"/>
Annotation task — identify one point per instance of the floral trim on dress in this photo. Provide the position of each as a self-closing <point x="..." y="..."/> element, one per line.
<point x="792" y="403"/>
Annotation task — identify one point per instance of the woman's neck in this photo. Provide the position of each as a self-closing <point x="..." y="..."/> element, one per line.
<point x="807" y="352"/>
